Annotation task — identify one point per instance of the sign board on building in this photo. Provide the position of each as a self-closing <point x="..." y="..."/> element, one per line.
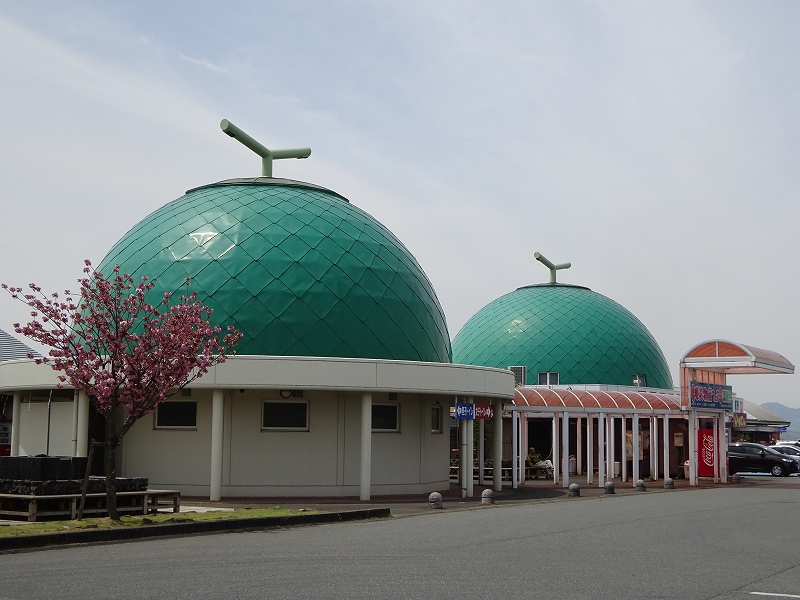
<point x="483" y="411"/>
<point x="465" y="411"/>
<point x="739" y="419"/>
<point x="473" y="411"/>
<point x="710" y="395"/>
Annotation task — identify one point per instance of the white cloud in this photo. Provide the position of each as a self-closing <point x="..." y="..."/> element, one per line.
<point x="655" y="147"/>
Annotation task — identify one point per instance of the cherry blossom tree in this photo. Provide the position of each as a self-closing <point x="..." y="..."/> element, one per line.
<point x="127" y="355"/>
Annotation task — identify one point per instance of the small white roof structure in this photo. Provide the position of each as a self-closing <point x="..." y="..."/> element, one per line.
<point x="723" y="356"/>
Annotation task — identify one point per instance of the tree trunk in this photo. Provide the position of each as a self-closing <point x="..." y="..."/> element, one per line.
<point x="112" y="441"/>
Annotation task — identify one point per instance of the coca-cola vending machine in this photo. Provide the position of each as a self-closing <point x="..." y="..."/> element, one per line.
<point x="705" y="458"/>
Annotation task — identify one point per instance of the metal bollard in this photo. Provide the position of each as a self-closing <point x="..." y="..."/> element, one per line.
<point x="435" y="500"/>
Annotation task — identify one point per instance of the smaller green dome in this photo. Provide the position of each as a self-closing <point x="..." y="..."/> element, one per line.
<point x="584" y="336"/>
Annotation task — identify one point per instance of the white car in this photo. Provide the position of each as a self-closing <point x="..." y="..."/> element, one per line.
<point x="789" y="450"/>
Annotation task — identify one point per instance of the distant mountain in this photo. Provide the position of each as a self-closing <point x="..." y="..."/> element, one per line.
<point x="790" y="414"/>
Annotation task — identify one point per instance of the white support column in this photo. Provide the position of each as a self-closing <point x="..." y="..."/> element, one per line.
<point x="654" y="448"/>
<point x="565" y="448"/>
<point x="470" y="472"/>
<point x="666" y="445"/>
<point x="579" y="445"/>
<point x="611" y="422"/>
<point x="365" y="482"/>
<point x="523" y="447"/>
<point x="722" y="452"/>
<point x="692" y="447"/>
<point x="497" y="451"/>
<point x="16" y="408"/>
<point x="554" y="450"/>
<point x="217" y="418"/>
<point x="514" y="449"/>
<point x="635" y="447"/>
<point x="601" y="451"/>
<point x="624" y="445"/>
<point x="74" y="449"/>
<point x="481" y="451"/>
<point x="82" y="448"/>
<point x="589" y="449"/>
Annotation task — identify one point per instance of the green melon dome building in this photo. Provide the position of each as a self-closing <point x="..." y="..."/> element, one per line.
<point x="568" y="330"/>
<point x="342" y="382"/>
<point x="295" y="267"/>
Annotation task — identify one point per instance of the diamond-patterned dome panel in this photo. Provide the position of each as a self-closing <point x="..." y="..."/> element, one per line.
<point x="296" y="268"/>
<point x="584" y="336"/>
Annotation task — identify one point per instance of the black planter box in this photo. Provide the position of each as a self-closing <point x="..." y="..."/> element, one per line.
<point x="42" y="468"/>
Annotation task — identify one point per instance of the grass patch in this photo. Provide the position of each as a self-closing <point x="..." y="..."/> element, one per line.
<point x="25" y="529"/>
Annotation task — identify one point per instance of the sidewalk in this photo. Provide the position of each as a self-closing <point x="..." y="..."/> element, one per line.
<point x="334" y="510"/>
<point x="541" y="490"/>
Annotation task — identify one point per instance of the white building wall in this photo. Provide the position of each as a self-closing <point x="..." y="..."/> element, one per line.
<point x="34" y="429"/>
<point x="282" y="458"/>
<point x="170" y="458"/>
<point x="322" y="461"/>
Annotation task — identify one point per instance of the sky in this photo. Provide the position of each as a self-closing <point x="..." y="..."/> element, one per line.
<point x="655" y="146"/>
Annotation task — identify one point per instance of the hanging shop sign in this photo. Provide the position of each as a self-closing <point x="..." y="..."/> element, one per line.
<point x="465" y="411"/>
<point x="473" y="411"/>
<point x="710" y="395"/>
<point x="483" y="411"/>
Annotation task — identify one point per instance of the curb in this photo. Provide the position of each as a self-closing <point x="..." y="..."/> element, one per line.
<point x="86" y="536"/>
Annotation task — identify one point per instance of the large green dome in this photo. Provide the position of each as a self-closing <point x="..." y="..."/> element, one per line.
<point x="295" y="267"/>
<point x="582" y="335"/>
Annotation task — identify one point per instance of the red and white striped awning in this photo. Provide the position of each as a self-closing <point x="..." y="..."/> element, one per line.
<point x="547" y="399"/>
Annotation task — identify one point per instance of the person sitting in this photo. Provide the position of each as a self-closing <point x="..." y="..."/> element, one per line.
<point x="534" y="457"/>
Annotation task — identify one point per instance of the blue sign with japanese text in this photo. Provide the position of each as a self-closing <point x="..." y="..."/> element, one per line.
<point x="465" y="411"/>
<point x="710" y="395"/>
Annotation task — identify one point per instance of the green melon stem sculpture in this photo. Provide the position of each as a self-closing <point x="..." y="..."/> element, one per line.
<point x="265" y="153"/>
<point x="553" y="268"/>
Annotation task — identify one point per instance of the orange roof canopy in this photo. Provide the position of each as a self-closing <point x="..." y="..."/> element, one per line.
<point x="723" y="356"/>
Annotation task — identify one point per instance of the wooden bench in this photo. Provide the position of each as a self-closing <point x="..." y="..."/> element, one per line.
<point x="66" y="505"/>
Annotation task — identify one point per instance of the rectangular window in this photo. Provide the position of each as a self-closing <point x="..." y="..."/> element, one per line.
<point x="385" y="417"/>
<point x="436" y="419"/>
<point x="548" y="378"/>
<point x="172" y="415"/>
<point x="520" y="375"/>
<point x="286" y="416"/>
<point x="640" y="380"/>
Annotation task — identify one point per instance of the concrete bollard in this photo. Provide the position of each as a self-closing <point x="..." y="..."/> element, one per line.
<point x="669" y="483"/>
<point x="640" y="486"/>
<point x="735" y="478"/>
<point x="487" y="497"/>
<point x="574" y="490"/>
<point x="609" y="487"/>
<point x="435" y="500"/>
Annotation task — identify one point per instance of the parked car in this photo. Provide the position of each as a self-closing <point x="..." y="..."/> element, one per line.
<point x="794" y="443"/>
<point x="788" y="450"/>
<point x="755" y="458"/>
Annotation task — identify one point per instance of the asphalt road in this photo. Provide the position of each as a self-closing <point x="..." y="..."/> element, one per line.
<point x="740" y="542"/>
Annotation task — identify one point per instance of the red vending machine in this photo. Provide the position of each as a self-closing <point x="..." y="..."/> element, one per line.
<point x="705" y="453"/>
